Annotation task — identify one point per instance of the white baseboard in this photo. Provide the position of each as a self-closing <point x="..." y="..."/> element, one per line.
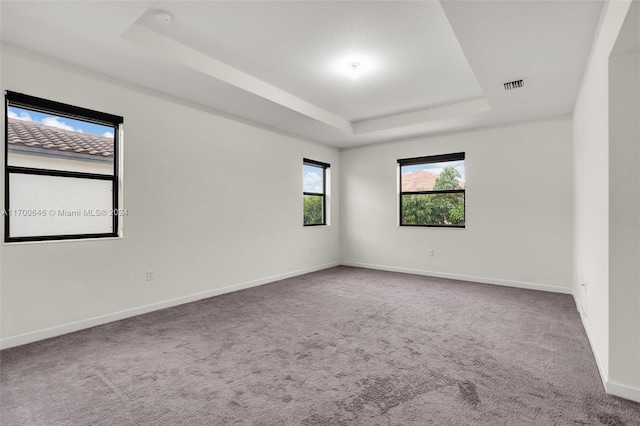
<point x="604" y="375"/>
<point x="47" y="333"/>
<point x="612" y="387"/>
<point x="483" y="280"/>
<point x="623" y="390"/>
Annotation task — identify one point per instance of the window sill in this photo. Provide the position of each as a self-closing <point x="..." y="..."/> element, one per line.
<point x="432" y="226"/>
<point x="76" y="240"/>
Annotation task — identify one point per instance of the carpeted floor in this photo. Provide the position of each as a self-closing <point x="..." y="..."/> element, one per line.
<point x="344" y="346"/>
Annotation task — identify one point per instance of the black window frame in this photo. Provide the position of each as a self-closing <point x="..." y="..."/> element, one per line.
<point x="323" y="194"/>
<point x="20" y="100"/>
<point x="430" y="159"/>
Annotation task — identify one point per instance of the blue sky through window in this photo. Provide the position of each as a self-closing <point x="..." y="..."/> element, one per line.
<point x="60" y="122"/>
<point x="312" y="179"/>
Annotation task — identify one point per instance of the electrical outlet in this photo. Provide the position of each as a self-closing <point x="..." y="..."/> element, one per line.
<point x="150" y="274"/>
<point x="432" y="253"/>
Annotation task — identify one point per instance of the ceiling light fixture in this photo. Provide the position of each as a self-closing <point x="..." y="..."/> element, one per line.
<point x="354" y="65"/>
<point x="355" y="70"/>
<point x="162" y="17"/>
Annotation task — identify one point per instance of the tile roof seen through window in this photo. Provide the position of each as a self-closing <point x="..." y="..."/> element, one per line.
<point x="421" y="180"/>
<point x="31" y="137"/>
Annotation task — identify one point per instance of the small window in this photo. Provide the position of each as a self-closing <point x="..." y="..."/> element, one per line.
<point x="432" y="191"/>
<point x="61" y="171"/>
<point x="314" y="190"/>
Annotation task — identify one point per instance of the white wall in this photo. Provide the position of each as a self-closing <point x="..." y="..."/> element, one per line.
<point x="213" y="203"/>
<point x="518" y="208"/>
<point x="50" y="162"/>
<point x="591" y="192"/>
<point x="597" y="244"/>
<point x="624" y="205"/>
<point x="624" y="215"/>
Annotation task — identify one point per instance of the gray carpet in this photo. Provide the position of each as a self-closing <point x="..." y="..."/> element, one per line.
<point x="344" y="346"/>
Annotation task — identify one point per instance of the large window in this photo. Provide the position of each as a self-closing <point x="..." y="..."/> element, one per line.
<point x="61" y="171"/>
<point x="314" y="192"/>
<point x="432" y="191"/>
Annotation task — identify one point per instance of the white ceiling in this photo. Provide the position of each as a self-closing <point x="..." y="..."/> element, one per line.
<point x="426" y="66"/>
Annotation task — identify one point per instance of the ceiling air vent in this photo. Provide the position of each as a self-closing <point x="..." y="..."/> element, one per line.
<point x="513" y="85"/>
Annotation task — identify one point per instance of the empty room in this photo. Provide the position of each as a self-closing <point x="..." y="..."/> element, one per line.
<point x="320" y="213"/>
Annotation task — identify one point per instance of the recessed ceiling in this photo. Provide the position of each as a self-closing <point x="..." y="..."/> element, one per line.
<point x="426" y="66"/>
<point x="306" y="48"/>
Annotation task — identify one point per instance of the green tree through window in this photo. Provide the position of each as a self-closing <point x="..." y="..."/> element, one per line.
<point x="312" y="209"/>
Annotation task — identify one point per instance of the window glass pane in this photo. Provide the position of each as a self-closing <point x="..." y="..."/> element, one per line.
<point x="433" y="176"/>
<point x="433" y="209"/>
<point x="313" y="209"/>
<point x="312" y="179"/>
<point x="47" y="141"/>
<point x="52" y="205"/>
